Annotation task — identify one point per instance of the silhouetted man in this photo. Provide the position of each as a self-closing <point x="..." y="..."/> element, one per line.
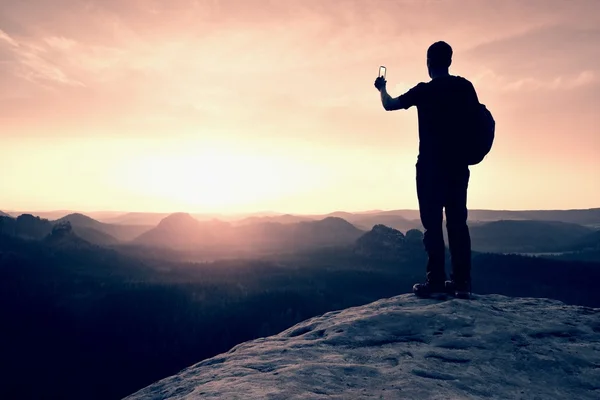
<point x="442" y="177"/>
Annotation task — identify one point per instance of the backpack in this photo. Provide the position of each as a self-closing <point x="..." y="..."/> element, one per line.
<point x="480" y="135"/>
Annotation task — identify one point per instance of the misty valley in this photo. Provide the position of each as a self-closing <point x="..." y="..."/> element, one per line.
<point x="99" y="307"/>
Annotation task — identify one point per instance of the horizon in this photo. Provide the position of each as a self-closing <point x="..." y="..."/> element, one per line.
<point x="236" y="106"/>
<point x="265" y="213"/>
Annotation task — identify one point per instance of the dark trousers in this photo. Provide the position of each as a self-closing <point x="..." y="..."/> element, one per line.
<point x="439" y="188"/>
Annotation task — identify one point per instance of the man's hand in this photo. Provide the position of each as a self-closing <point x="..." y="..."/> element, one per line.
<point x="380" y="83"/>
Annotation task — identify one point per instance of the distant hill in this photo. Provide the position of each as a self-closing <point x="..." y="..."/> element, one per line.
<point x="586" y="248"/>
<point x="95" y="236"/>
<point x="3" y="214"/>
<point x="386" y="243"/>
<point x="282" y="219"/>
<point x="583" y="217"/>
<point x="591" y="241"/>
<point x="329" y="231"/>
<point x="279" y="237"/>
<point x="339" y="214"/>
<point x="137" y="218"/>
<point x="25" y="226"/>
<point x="403" y="220"/>
<point x="63" y="236"/>
<point x="102" y="233"/>
<point x="182" y="231"/>
<point x="102" y="215"/>
<point x="88" y="229"/>
<point x="588" y="217"/>
<point x="81" y="220"/>
<point x="29" y="227"/>
<point x="354" y="217"/>
<point x="381" y="242"/>
<point x="49" y="215"/>
<point x="525" y="236"/>
<point x="394" y="221"/>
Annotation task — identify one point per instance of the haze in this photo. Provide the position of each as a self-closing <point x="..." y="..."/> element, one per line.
<point x="238" y="106"/>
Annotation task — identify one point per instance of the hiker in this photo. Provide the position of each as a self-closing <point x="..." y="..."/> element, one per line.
<point x="442" y="173"/>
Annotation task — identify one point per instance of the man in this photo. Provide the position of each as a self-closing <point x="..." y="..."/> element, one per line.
<point x="443" y="106"/>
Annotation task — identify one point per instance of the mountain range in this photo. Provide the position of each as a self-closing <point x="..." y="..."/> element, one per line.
<point x="589" y="217"/>
<point x="281" y="219"/>
<point x="524" y="236"/>
<point x="283" y="233"/>
<point x="136" y="218"/>
<point x="182" y="231"/>
<point x="112" y="233"/>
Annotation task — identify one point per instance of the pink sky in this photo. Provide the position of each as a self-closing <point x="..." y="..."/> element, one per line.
<point x="238" y="106"/>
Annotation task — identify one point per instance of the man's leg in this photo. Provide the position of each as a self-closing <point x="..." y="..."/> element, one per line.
<point x="430" y="195"/>
<point x="459" y="239"/>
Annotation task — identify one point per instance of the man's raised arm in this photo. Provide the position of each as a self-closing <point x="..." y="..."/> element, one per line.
<point x="390" y="103"/>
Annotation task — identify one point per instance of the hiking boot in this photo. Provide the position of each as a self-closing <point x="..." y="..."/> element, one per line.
<point x="430" y="289"/>
<point x="460" y="289"/>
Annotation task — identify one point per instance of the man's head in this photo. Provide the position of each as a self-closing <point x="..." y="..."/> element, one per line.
<point x="439" y="58"/>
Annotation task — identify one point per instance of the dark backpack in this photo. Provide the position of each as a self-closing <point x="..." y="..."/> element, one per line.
<point x="480" y="135"/>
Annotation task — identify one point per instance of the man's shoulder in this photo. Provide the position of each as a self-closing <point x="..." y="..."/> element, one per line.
<point x="449" y="80"/>
<point x="420" y="89"/>
<point x="420" y="86"/>
<point x="462" y="80"/>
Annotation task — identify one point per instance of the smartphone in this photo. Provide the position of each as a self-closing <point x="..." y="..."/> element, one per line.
<point x="382" y="71"/>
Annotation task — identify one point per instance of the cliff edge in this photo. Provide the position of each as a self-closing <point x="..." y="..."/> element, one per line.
<point x="492" y="347"/>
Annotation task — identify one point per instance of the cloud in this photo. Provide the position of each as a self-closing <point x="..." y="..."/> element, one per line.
<point x="29" y="62"/>
<point x="7" y="39"/>
<point x="504" y="83"/>
<point x="546" y="52"/>
<point x="60" y="43"/>
<point x="251" y="57"/>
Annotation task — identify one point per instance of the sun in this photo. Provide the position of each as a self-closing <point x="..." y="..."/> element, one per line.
<point x="213" y="178"/>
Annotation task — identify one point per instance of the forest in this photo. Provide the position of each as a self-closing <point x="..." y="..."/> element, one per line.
<point x="83" y="321"/>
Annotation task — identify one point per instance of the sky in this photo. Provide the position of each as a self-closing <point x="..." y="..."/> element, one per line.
<point x="255" y="105"/>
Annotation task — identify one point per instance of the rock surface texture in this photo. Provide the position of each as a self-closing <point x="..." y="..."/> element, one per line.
<point x="492" y="347"/>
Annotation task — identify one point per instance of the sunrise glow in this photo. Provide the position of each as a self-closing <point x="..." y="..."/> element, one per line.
<point x="239" y="106"/>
